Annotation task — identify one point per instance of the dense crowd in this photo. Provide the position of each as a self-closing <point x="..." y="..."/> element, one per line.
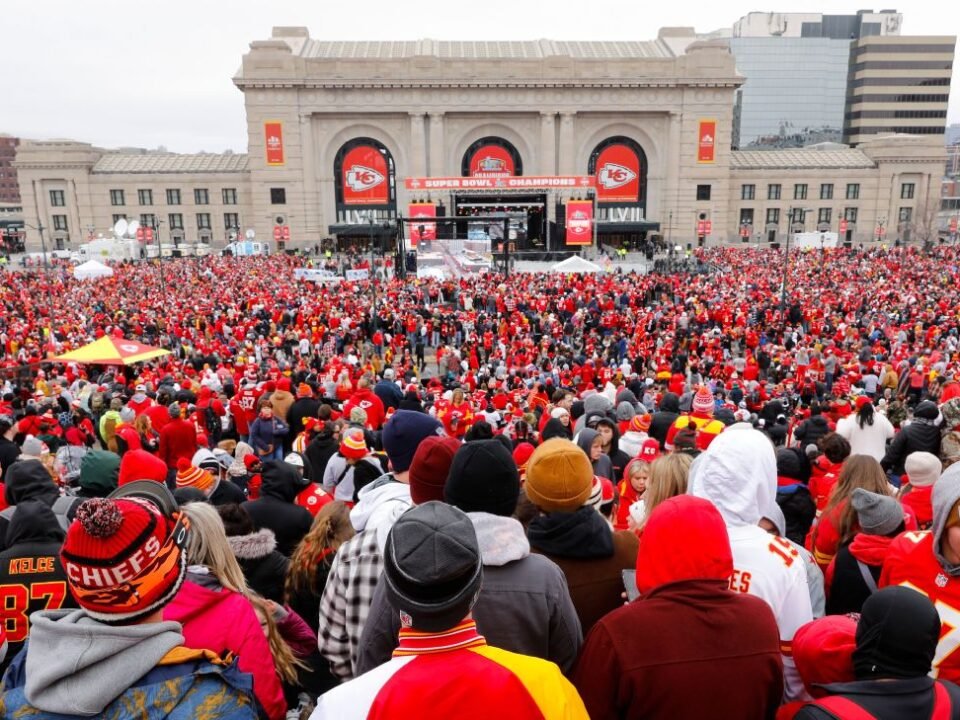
<point x="539" y="495"/>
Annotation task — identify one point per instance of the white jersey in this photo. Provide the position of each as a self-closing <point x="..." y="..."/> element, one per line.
<point x="770" y="568"/>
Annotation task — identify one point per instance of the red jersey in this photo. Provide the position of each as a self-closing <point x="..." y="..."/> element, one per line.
<point x="247" y="400"/>
<point x="910" y="562"/>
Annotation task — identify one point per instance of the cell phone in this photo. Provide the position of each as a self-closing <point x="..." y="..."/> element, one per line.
<point x="630" y="584"/>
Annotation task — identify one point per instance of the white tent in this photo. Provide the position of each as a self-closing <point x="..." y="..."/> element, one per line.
<point x="91" y="270"/>
<point x="576" y="264"/>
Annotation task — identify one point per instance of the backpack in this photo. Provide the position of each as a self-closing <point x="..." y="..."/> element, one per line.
<point x="212" y="424"/>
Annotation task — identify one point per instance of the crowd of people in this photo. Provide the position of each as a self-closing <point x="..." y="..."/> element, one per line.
<point x="556" y="496"/>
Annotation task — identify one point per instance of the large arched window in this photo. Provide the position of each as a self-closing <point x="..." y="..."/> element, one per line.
<point x="491" y="157"/>
<point x="620" y="167"/>
<point x="364" y="175"/>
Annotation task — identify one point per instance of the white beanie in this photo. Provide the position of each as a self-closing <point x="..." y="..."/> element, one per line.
<point x="923" y="468"/>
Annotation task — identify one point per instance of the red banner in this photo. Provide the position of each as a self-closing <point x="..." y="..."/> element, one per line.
<point x="707" y="141"/>
<point x="273" y="141"/>
<point x="843" y="226"/>
<point x="492" y="161"/>
<point x="618" y="175"/>
<point x="285" y="232"/>
<point x="425" y="211"/>
<point x="140" y="234"/>
<point x="579" y="222"/>
<point x="527" y="182"/>
<point x="366" y="179"/>
<point x="277" y="233"/>
<point x="148" y="234"/>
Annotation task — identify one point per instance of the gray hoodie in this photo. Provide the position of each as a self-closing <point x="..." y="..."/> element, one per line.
<point x="77" y="666"/>
<point x="946" y="492"/>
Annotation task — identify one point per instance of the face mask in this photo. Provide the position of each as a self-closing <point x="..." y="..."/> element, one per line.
<point x="638" y="511"/>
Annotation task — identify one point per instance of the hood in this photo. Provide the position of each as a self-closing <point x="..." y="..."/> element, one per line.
<point x="584" y="439"/>
<point x="670" y="403"/>
<point x="253" y="546"/>
<point x="738" y="474"/>
<point x="627" y="395"/>
<point x="582" y="534"/>
<point x="946" y="493"/>
<point x="501" y="539"/>
<point x="685" y="538"/>
<point x="99" y="471"/>
<point x="29" y="480"/>
<point x="281" y="396"/>
<point x="554" y="428"/>
<point x="237" y="467"/>
<point x="138" y="398"/>
<point x="77" y="666"/>
<point x="615" y="440"/>
<point x="34" y="521"/>
<point x="281" y="481"/>
<point x="870" y="549"/>
<point x="379" y="505"/>
<point x="897" y="635"/>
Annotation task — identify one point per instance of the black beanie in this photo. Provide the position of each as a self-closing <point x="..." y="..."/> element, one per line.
<point x="483" y="478"/>
<point x="897" y="635"/>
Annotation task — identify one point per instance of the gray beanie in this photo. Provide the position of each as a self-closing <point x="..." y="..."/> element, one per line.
<point x="128" y="415"/>
<point x="596" y="404"/>
<point x="433" y="569"/>
<point x="625" y="411"/>
<point x="33" y="447"/>
<point x="877" y="514"/>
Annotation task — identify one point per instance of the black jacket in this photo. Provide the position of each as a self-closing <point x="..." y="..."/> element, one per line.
<point x="318" y="453"/>
<point x="848" y="590"/>
<point x="306" y="603"/>
<point x="919" y="436"/>
<point x="302" y="408"/>
<point x="227" y="493"/>
<point x="9" y="452"/>
<point x="264" y="568"/>
<point x="29" y="480"/>
<point x="275" y="508"/>
<point x="888" y="699"/>
<point x="810" y="431"/>
<point x="798" y="508"/>
<point x="665" y="418"/>
<point x="33" y="556"/>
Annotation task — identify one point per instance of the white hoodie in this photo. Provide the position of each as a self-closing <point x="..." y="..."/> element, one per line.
<point x="379" y="505"/>
<point x="738" y="474"/>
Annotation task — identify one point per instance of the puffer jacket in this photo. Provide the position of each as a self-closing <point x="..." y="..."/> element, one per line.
<point x="638" y="660"/>
<point x="524" y="605"/>
<point x="264" y="568"/>
<point x="275" y="508"/>
<point x="221" y="620"/>
<point x="921" y="435"/>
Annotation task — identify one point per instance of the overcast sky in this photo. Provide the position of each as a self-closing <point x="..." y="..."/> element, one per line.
<point x="120" y="72"/>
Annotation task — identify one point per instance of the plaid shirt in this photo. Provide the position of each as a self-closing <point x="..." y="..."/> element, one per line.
<point x="346" y="601"/>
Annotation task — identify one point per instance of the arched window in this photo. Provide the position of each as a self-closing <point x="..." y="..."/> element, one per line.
<point x="491" y="157"/>
<point x="620" y="167"/>
<point x="364" y="174"/>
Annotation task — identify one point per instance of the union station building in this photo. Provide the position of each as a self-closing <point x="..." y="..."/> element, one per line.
<point x="347" y="139"/>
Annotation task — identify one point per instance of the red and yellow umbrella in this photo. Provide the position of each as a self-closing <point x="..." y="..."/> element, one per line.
<point x="110" y="350"/>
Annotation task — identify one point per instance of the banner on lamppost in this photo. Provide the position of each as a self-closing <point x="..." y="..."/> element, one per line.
<point x="273" y="141"/>
<point x="579" y="222"/>
<point x="707" y="141"/>
<point x="424" y="212"/>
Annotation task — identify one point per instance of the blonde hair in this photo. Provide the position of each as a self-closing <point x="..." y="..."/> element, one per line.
<point x="667" y="479"/>
<point x="859" y="471"/>
<point x="207" y="545"/>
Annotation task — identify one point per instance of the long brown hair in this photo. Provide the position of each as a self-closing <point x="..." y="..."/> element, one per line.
<point x="859" y="471"/>
<point x="331" y="528"/>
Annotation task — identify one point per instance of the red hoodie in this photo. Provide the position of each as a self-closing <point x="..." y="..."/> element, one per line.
<point x="919" y="498"/>
<point x="822" y="480"/>
<point x="364" y="398"/>
<point x="638" y="659"/>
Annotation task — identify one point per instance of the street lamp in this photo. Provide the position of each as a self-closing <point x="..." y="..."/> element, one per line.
<point x="881" y="221"/>
<point x="46" y="271"/>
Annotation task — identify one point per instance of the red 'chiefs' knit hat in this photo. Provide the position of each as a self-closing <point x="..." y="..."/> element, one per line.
<point x="353" y="446"/>
<point x="124" y="558"/>
<point x="703" y="401"/>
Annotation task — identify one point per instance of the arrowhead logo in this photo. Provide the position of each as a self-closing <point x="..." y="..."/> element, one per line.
<point x="612" y="176"/>
<point x="361" y="178"/>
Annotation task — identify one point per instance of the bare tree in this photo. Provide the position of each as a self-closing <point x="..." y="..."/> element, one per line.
<point x="924" y="225"/>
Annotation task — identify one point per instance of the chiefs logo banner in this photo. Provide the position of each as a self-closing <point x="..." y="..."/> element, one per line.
<point x="273" y="141"/>
<point x="422" y="211"/>
<point x="365" y="177"/>
<point x="618" y="175"/>
<point x="492" y="161"/>
<point x="707" y="141"/>
<point x="579" y="222"/>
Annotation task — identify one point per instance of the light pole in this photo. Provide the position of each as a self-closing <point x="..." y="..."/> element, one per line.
<point x="881" y="221"/>
<point x="373" y="287"/>
<point x="156" y="233"/>
<point x="46" y="271"/>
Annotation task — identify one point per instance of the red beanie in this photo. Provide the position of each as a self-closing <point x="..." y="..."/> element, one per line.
<point x="250" y="460"/>
<point x="124" y="559"/>
<point x="430" y="467"/>
<point x="353" y="446"/>
<point x="521" y="454"/>
<point x="189" y="475"/>
<point x="823" y="651"/>
<point x="141" y="465"/>
<point x="283" y="384"/>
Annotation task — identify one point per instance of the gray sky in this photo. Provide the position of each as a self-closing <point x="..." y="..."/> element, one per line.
<point x="121" y="72"/>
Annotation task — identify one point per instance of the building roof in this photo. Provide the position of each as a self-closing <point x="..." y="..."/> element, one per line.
<point x="161" y="162"/>
<point x="483" y="50"/>
<point x="811" y="157"/>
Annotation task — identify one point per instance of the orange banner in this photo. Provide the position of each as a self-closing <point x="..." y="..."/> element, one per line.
<point x="707" y="141"/>
<point x="273" y="141"/>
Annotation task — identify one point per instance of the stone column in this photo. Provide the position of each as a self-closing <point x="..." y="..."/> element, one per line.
<point x="437" y="166"/>
<point x="312" y="228"/>
<point x="418" y="149"/>
<point x="567" y="149"/>
<point x="548" y="143"/>
<point x="666" y="200"/>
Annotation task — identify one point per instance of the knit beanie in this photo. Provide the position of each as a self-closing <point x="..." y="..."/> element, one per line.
<point x="559" y="476"/>
<point x="922" y="468"/>
<point x="640" y="423"/>
<point x="141" y="465"/>
<point x="431" y="467"/>
<point x="189" y="475"/>
<point x="625" y="411"/>
<point x="596" y="494"/>
<point x="33" y="447"/>
<point x="432" y="567"/>
<point x="483" y="478"/>
<point x="128" y="415"/>
<point x="877" y="514"/>
<point x="99" y="472"/>
<point x="403" y="433"/>
<point x="521" y="455"/>
<point x="124" y="558"/>
<point x="823" y="651"/>
<point x="353" y="445"/>
<point x="358" y="416"/>
<point x="703" y="401"/>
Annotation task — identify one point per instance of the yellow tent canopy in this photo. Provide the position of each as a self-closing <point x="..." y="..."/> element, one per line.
<point x="110" y="350"/>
